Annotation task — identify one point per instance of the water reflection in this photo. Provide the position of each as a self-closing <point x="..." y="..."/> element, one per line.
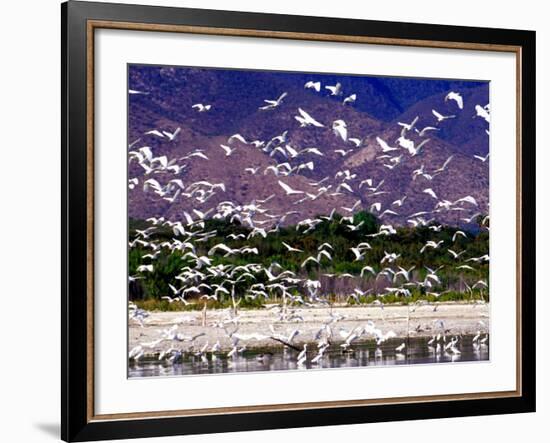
<point x="417" y="351"/>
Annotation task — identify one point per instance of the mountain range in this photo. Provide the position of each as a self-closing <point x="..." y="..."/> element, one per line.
<point x="163" y="100"/>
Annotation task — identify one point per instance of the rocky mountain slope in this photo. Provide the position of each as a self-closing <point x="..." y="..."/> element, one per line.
<point x="348" y="170"/>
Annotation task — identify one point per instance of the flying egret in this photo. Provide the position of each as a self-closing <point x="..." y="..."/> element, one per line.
<point x="431" y="244"/>
<point x="456" y="97"/>
<point x="455" y="254"/>
<point x="424" y="130"/>
<point x="385" y="147"/>
<point x="228" y="151"/>
<point x="350" y="99"/>
<point x="335" y="90"/>
<point x="430" y="192"/>
<point x="483" y="113"/>
<point x="237" y="137"/>
<point x="313" y="85"/>
<point x="368" y="269"/>
<point x="340" y="129"/>
<point x="408" y="126"/>
<point x="172" y="135"/>
<point x="441" y="117"/>
<point x="201" y="108"/>
<point x="306" y="120"/>
<point x="290" y="248"/>
<point x="272" y="104"/>
<point x="288" y="189"/>
<point x="481" y="158"/>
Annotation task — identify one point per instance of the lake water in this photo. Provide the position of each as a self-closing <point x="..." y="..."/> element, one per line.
<point x="417" y="351"/>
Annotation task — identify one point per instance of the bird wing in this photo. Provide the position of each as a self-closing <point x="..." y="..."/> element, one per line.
<point x="155" y="132"/>
<point x="227" y="149"/>
<point x="447" y="162"/>
<point x="430" y="191"/>
<point x="325" y="253"/>
<point x="287" y="188"/>
<point x="238" y="137"/>
<point x="309" y="259"/>
<point x="219" y="246"/>
<point x="341" y="131"/>
<point x="422" y="144"/>
<point x="309" y="118"/>
<point x="314" y="85"/>
<point x="290" y="248"/>
<point x="467" y="199"/>
<point x="385" y="147"/>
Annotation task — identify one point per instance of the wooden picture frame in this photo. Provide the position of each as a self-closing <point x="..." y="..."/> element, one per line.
<point x="79" y="22"/>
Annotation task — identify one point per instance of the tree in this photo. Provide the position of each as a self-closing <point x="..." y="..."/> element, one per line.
<point x="370" y="222"/>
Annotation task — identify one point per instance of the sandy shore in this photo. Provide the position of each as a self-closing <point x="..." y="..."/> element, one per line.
<point x="253" y="326"/>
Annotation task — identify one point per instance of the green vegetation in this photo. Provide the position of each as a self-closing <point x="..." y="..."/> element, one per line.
<point x="153" y="304"/>
<point x="406" y="242"/>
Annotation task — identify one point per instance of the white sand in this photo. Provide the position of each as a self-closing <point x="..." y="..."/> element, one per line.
<point x="419" y="321"/>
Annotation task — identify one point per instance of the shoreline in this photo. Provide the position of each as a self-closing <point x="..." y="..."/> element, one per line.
<point x="252" y="327"/>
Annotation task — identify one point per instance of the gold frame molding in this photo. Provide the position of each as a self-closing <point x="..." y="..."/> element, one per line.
<point x="92" y="25"/>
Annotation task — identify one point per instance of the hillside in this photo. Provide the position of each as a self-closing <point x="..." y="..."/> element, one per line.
<point x="345" y="168"/>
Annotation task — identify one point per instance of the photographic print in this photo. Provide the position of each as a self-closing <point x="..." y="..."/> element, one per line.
<point x="301" y="221"/>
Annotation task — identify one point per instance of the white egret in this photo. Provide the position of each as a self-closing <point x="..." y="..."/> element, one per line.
<point x="172" y="135"/>
<point x="307" y="120"/>
<point x="482" y="158"/>
<point x="385" y="147"/>
<point x="335" y="90"/>
<point x="400" y="347"/>
<point x="441" y="117"/>
<point x="272" y="104"/>
<point x="350" y="99"/>
<point x="483" y="113"/>
<point x="340" y="129"/>
<point x="201" y="108"/>
<point x="430" y="192"/>
<point x="228" y="151"/>
<point x="313" y="85"/>
<point x="408" y="126"/>
<point x="288" y="189"/>
<point x="456" y="97"/>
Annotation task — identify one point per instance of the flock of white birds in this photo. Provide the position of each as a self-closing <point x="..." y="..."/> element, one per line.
<point x="165" y="178"/>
